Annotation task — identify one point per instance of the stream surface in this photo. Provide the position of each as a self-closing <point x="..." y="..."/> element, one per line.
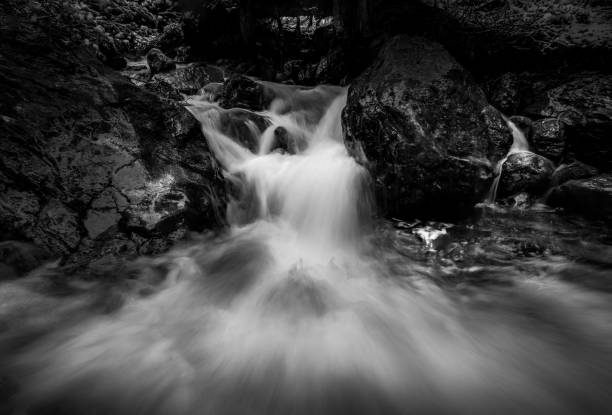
<point x="308" y="304"/>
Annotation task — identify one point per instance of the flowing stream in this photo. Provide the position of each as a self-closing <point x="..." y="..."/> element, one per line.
<point x="310" y="305"/>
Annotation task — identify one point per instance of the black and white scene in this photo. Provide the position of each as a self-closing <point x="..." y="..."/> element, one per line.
<point x="305" y="207"/>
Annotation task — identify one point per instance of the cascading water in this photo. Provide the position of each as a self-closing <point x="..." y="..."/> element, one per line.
<point x="519" y="143"/>
<point x="306" y="307"/>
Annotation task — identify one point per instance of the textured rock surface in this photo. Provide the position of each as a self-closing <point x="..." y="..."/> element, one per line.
<point x="591" y="197"/>
<point x="572" y="171"/>
<point x="525" y="172"/>
<point x="243" y="92"/>
<point x="426" y="130"/>
<point x="158" y="62"/>
<point x="548" y="138"/>
<point x="584" y="105"/>
<point x="190" y="78"/>
<point x="83" y="153"/>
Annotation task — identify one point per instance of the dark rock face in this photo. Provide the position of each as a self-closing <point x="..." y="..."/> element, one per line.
<point x="170" y="39"/>
<point x="163" y="88"/>
<point x="189" y="79"/>
<point x="158" y="62"/>
<point x="572" y="171"/>
<point x="426" y="130"/>
<point x="548" y="138"/>
<point x="505" y="93"/>
<point x="583" y="104"/>
<point x="17" y="258"/>
<point x="243" y="92"/>
<point x="91" y="165"/>
<point x="525" y="172"/>
<point x="591" y="197"/>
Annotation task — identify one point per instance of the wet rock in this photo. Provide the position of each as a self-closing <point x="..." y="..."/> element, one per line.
<point x="170" y="39"/>
<point x="189" y="79"/>
<point x="158" y="62"/>
<point x="425" y="131"/>
<point x="82" y="148"/>
<point x="110" y="54"/>
<point x="104" y="213"/>
<point x="243" y="126"/>
<point x="331" y="69"/>
<point x="591" y="197"/>
<point x="583" y="104"/>
<point x="525" y="172"/>
<point x="572" y="171"/>
<point x="525" y="124"/>
<point x="163" y="88"/>
<point x="58" y="227"/>
<point x="157" y="207"/>
<point x="505" y="93"/>
<point x="19" y="257"/>
<point x="301" y="72"/>
<point x="211" y="92"/>
<point x="289" y="142"/>
<point x="243" y="92"/>
<point x="548" y="138"/>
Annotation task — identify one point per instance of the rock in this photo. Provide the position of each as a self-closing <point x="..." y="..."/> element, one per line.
<point x="58" y="227"/>
<point x="163" y="88"/>
<point x="505" y="93"/>
<point x="524" y="124"/>
<point x="110" y="53"/>
<point x="524" y="172"/>
<point x="82" y="151"/>
<point x="331" y="69"/>
<point x="19" y="258"/>
<point x="158" y="62"/>
<point x="301" y="72"/>
<point x="157" y="208"/>
<point x="189" y="79"/>
<point x="572" y="171"/>
<point x="425" y="131"/>
<point x="584" y="105"/>
<point x="243" y="92"/>
<point x="211" y="92"/>
<point x="104" y="213"/>
<point x="548" y="138"/>
<point x="170" y="39"/>
<point x="243" y="126"/>
<point x="590" y="197"/>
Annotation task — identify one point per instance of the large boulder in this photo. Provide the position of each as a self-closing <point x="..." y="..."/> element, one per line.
<point x="91" y="165"/>
<point x="591" y="197"/>
<point x="524" y="172"/>
<point x="584" y="105"/>
<point x="425" y="130"/>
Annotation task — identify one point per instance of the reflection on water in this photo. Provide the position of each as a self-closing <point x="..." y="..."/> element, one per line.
<point x="310" y="306"/>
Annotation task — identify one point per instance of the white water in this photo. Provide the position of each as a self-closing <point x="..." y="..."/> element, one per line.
<point x="303" y="309"/>
<point x="519" y="144"/>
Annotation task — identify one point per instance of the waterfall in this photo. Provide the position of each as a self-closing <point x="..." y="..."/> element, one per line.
<point x="519" y="144"/>
<point x="316" y="191"/>
<point x="305" y="307"/>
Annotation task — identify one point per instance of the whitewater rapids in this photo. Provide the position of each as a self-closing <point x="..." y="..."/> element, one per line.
<point x="305" y="306"/>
